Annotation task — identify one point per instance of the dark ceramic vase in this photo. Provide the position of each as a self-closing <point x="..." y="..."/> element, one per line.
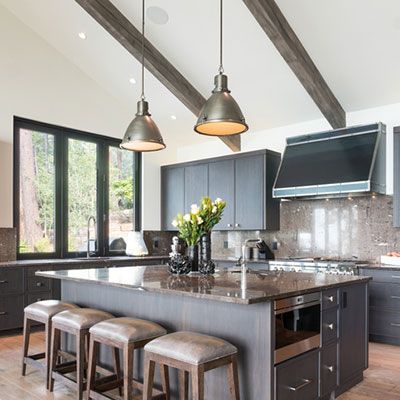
<point x="193" y="255"/>
<point x="206" y="265"/>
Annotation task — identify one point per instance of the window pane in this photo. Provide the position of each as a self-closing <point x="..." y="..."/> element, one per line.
<point x="121" y="197"/>
<point x="36" y="192"/>
<point x="82" y="193"/>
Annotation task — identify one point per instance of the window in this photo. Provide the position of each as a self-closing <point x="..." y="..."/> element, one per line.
<point x="63" y="178"/>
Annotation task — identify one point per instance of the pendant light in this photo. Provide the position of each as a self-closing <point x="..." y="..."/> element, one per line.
<point x="143" y="134"/>
<point x="221" y="115"/>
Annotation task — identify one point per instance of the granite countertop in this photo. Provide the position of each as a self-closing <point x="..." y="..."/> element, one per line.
<point x="222" y="286"/>
<point x="380" y="267"/>
<point x="74" y="261"/>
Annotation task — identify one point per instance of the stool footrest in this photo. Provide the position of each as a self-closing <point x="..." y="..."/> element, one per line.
<point x="66" y="380"/>
<point x="107" y="383"/>
<point x="34" y="360"/>
<point x="65" y="368"/>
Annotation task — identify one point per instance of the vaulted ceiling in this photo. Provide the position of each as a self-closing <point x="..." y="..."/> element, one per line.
<point x="353" y="43"/>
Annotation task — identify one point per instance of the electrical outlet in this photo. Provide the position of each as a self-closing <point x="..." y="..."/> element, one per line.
<point x="275" y="245"/>
<point x="226" y="244"/>
<point x="156" y="243"/>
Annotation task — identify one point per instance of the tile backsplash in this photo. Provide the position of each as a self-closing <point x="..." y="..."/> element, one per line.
<point x="360" y="228"/>
<point x="8" y="244"/>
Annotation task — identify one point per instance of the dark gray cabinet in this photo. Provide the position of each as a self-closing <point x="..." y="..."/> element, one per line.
<point x="250" y="192"/>
<point x="353" y="351"/>
<point x="244" y="180"/>
<point x="172" y="194"/>
<point x="384" y="302"/>
<point x="221" y="183"/>
<point x="396" y="177"/>
<point x="196" y="184"/>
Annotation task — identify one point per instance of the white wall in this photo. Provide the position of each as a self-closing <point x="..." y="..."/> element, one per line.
<point x="37" y="82"/>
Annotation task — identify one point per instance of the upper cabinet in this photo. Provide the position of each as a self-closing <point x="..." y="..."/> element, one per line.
<point x="396" y="177"/>
<point x="243" y="180"/>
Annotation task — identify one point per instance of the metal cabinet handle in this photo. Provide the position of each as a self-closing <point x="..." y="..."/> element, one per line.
<point x="3" y="313"/>
<point x="330" y="326"/>
<point x="330" y="368"/>
<point x="395" y="297"/>
<point x="396" y="276"/>
<point x="330" y="298"/>
<point x="39" y="284"/>
<point x="229" y="225"/>
<point x="237" y="225"/>
<point x="39" y="299"/>
<point x="305" y="383"/>
<point x="395" y="324"/>
<point x="3" y="281"/>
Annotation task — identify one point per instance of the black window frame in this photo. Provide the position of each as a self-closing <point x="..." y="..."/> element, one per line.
<point x="61" y="135"/>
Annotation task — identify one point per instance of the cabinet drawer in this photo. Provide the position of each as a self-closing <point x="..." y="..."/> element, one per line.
<point x="11" y="312"/>
<point x="298" y="378"/>
<point x="34" y="297"/>
<point x="330" y="298"/>
<point x="31" y="271"/>
<point x="11" y="280"/>
<point x="385" y="323"/>
<point x="329" y="369"/>
<point x="329" y="325"/>
<point x="389" y="276"/>
<point x="38" y="284"/>
<point x="384" y="295"/>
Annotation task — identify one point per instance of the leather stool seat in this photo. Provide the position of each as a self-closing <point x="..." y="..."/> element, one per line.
<point x="46" y="309"/>
<point x="125" y="330"/>
<point x="190" y="347"/>
<point x="80" y="318"/>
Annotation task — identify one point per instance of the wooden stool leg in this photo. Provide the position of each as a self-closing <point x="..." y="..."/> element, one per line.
<point x="128" y="371"/>
<point x="47" y="326"/>
<point x="183" y="385"/>
<point x="55" y="346"/>
<point x="198" y="383"/>
<point x="92" y="359"/>
<point x="117" y="367"/>
<point x="80" y="363"/>
<point x="165" y="380"/>
<point x="26" y="337"/>
<point x="233" y="379"/>
<point x="149" y="366"/>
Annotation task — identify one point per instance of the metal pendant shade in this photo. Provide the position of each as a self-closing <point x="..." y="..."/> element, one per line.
<point x="221" y="115"/>
<point x="143" y="134"/>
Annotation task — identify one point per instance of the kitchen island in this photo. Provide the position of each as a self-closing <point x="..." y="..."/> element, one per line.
<point x="241" y="308"/>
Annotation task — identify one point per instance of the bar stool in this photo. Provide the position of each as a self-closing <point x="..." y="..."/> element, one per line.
<point x="192" y="353"/>
<point x="41" y="311"/>
<point x="76" y="322"/>
<point x="127" y="334"/>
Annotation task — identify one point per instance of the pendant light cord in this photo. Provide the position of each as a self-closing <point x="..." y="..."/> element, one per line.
<point x="221" y="67"/>
<point x="143" y="17"/>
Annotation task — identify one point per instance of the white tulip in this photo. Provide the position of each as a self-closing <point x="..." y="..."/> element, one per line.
<point x="199" y="220"/>
<point x="186" y="217"/>
<point x="214" y="209"/>
<point x="175" y="223"/>
<point x="218" y="200"/>
<point x="194" y="209"/>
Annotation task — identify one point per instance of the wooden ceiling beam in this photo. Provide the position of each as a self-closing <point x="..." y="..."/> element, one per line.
<point x="273" y="22"/>
<point x="118" y="26"/>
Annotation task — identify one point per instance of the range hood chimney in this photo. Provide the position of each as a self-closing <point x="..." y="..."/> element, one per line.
<point x="337" y="163"/>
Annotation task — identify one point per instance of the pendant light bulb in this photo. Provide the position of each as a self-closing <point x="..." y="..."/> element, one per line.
<point x="221" y="114"/>
<point x="142" y="134"/>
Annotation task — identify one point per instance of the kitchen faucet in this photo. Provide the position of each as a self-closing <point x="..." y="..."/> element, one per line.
<point x="245" y="246"/>
<point x="91" y="218"/>
<point x="243" y="278"/>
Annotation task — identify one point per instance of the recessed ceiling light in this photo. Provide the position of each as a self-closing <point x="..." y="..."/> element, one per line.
<point x="157" y="15"/>
<point x="132" y="80"/>
<point x="173" y="117"/>
<point x="82" y="35"/>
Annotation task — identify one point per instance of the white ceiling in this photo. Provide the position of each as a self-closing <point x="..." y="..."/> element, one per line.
<point x="353" y="43"/>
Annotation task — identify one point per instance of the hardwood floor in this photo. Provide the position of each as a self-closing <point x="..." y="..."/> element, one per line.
<point x="381" y="380"/>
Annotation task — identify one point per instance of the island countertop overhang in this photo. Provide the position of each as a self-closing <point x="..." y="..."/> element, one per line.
<point x="223" y="286"/>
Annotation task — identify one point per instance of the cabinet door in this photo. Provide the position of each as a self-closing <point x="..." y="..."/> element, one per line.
<point x="249" y="190"/>
<point x="196" y="184"/>
<point x="221" y="183"/>
<point x="353" y="344"/>
<point x="172" y="195"/>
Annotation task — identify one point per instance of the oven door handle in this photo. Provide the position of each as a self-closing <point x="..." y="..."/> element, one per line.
<point x="302" y="385"/>
<point x="299" y="307"/>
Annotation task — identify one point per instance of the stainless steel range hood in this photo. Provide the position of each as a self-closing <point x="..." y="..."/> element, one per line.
<point x="341" y="162"/>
